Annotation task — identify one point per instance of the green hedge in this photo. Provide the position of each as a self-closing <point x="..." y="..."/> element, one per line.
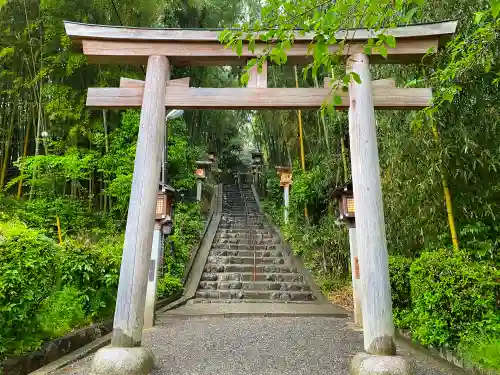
<point x="448" y="300"/>
<point x="29" y="265"/>
<point x="46" y="290"/>
<point x="399" y="267"/>
<point x="452" y="297"/>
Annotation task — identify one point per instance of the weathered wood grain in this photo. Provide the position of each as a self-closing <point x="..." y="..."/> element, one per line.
<point x="386" y="82"/>
<point x="80" y="31"/>
<point x="378" y="327"/>
<point x="201" y="54"/>
<point x="356" y="282"/>
<point x="255" y="98"/>
<point x="130" y="301"/>
<point x="137" y="83"/>
<point x="256" y="79"/>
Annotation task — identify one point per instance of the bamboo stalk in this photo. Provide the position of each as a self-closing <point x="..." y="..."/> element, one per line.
<point x="302" y="156"/>
<point x="7" y="147"/>
<point x="447" y="196"/>
<point x="59" y="233"/>
<point x="25" y="152"/>
<point x="344" y="155"/>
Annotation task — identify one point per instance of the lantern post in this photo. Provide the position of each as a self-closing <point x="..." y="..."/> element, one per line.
<point x="285" y="174"/>
<point x="201" y="174"/>
<point x="345" y="197"/>
<point x="256" y="169"/>
<point x="164" y="219"/>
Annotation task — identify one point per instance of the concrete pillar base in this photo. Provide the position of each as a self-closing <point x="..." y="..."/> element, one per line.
<point x="113" y="360"/>
<point x="366" y="364"/>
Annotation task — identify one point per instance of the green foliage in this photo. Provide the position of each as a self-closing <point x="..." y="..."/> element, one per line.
<point x="28" y="274"/>
<point x="168" y="285"/>
<point x="448" y="299"/>
<point x="61" y="312"/>
<point x="452" y="297"/>
<point x="399" y="272"/>
<point x="482" y="350"/>
<point x="93" y="270"/>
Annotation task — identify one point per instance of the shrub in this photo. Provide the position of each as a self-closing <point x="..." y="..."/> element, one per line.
<point x="29" y="269"/>
<point x="399" y="272"/>
<point x="93" y="270"/>
<point x="188" y="226"/>
<point x="483" y="351"/>
<point x="168" y="285"/>
<point x="451" y="297"/>
<point x="61" y="312"/>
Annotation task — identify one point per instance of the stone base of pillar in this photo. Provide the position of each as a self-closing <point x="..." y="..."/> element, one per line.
<point x="113" y="360"/>
<point x="366" y="364"/>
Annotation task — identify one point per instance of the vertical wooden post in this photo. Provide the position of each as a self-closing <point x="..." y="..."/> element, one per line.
<point x="198" y="189"/>
<point x="129" y="313"/>
<point x="256" y="79"/>
<point x="356" y="281"/>
<point x="286" y="194"/>
<point x="378" y="327"/>
<point x="156" y="249"/>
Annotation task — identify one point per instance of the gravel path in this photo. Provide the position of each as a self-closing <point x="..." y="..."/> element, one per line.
<point x="258" y="346"/>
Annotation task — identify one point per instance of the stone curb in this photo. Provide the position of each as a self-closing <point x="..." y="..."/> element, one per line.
<point x="189" y="316"/>
<point x="74" y="356"/>
<point x="443" y="354"/>
<point x="86" y="349"/>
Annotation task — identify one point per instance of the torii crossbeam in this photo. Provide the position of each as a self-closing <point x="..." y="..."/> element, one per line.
<point x="158" y="48"/>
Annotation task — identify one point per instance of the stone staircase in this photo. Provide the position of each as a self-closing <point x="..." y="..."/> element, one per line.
<point x="247" y="262"/>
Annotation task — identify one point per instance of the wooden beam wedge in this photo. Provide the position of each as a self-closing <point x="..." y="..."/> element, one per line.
<point x="256" y="98"/>
<point x="256" y="79"/>
<point x="386" y="82"/>
<point x="137" y="83"/>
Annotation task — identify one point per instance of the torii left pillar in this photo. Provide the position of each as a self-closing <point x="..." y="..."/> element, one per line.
<point x="126" y="356"/>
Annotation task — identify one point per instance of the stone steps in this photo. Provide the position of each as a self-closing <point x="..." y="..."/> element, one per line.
<point x="246" y="253"/>
<point x="245" y="246"/>
<point x="244" y="236"/>
<point x="256" y="294"/>
<point x="249" y="240"/>
<point x="244" y="260"/>
<point x="248" y="276"/>
<point x="241" y="231"/>
<point x="228" y="246"/>
<point x="254" y="285"/>
<point x="256" y="301"/>
<point x="243" y="268"/>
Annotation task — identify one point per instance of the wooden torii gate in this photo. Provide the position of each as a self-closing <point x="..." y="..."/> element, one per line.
<point x="159" y="48"/>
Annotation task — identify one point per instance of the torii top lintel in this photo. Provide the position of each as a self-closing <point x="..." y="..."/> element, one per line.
<point x="201" y="47"/>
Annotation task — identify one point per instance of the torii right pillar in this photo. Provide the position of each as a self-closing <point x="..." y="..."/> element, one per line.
<point x="378" y="327"/>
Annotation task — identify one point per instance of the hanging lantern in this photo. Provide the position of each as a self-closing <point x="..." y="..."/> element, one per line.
<point x="345" y="197"/>
<point x="165" y="209"/>
<point x="285" y="174"/>
<point x="256" y="158"/>
<point x="212" y="155"/>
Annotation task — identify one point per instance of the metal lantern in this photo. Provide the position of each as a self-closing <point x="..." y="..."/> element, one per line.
<point x="202" y="167"/>
<point x="285" y="174"/>
<point x="212" y="155"/>
<point x="257" y="158"/>
<point x="165" y="209"/>
<point x="347" y="207"/>
<point x="345" y="196"/>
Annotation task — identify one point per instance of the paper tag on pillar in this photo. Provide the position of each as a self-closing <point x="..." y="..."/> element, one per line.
<point x="356" y="268"/>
